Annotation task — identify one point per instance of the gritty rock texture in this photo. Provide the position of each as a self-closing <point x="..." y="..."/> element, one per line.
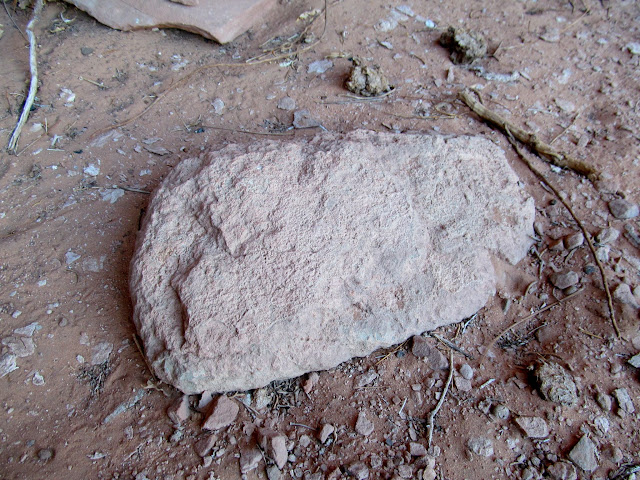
<point x="556" y="384"/>
<point x="584" y="454"/>
<point x="216" y="20"/>
<point x="222" y="415"/>
<point x="270" y="260"/>
<point x="534" y="427"/>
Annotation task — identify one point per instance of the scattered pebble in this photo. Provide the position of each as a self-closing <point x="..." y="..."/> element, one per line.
<point x="100" y="353"/>
<point x="564" y="280"/>
<point x="274" y="445"/>
<point x="303" y="119"/>
<point x="607" y="235"/>
<point x="28" y="330"/>
<point x="635" y="360"/>
<point x="480" y="446"/>
<point x="86" y="51"/>
<point x="203" y="446"/>
<point x="605" y="401"/>
<point x="358" y="470"/>
<point x="38" y="379"/>
<point x="91" y="170"/>
<point x="422" y="348"/>
<point x="286" y="103"/>
<point x="176" y="436"/>
<point x="501" y="411"/>
<point x="319" y="66"/>
<point x="417" y="449"/>
<point x="45" y="454"/>
<point x="222" y="415"/>
<point x="178" y="412"/>
<point x="584" y="455"/>
<point x="622" y="293"/>
<point x="249" y="459"/>
<point x="218" y="106"/>
<point x="326" y="430"/>
<point x="263" y="396"/>
<point x="462" y="384"/>
<point x="623" y="209"/>
<point x="273" y="473"/>
<point x="533" y="427"/>
<point x="625" y="404"/>
<point x="466" y="371"/>
<point x="310" y="382"/>
<point x="364" y="426"/>
<point x="556" y="384"/>
<point x="20" y="346"/>
<point x="562" y="471"/>
<point x="112" y="195"/>
<point x="405" y="471"/>
<point x="574" y="240"/>
<point x="633" y="48"/>
<point x="366" y="378"/>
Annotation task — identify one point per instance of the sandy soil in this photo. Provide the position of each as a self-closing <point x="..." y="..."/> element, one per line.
<point x="82" y="403"/>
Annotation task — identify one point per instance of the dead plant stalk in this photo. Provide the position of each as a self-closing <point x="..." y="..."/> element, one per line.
<point x="33" y="86"/>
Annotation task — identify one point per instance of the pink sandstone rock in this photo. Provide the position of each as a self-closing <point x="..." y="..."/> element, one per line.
<point x="269" y="260"/>
<point x="214" y="19"/>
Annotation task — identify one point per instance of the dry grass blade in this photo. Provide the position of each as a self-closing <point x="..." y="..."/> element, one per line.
<point x="434" y="412"/>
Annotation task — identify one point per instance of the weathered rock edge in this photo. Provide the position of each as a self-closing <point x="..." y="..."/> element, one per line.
<point x="265" y="261"/>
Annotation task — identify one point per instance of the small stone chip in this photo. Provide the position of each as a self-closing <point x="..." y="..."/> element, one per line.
<point x="585" y="455"/>
<point x="625" y="404"/>
<point x="564" y="280"/>
<point x="623" y="209"/>
<point x="534" y="427"/>
<point x="556" y="384"/>
<point x="364" y="426"/>
<point x="326" y="430"/>
<point x="222" y="415"/>
<point x="480" y="446"/>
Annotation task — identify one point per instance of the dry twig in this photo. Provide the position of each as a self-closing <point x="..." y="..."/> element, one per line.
<point x="434" y="412"/>
<point x="33" y="86"/>
<point x="543" y="149"/>
<point x="564" y="160"/>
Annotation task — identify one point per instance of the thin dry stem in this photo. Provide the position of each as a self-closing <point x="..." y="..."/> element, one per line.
<point x="33" y="86"/>
<point x="434" y="412"/>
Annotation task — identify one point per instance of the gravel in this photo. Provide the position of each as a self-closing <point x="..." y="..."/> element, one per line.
<point x="480" y="446"/>
<point x="623" y="209"/>
<point x="585" y="455"/>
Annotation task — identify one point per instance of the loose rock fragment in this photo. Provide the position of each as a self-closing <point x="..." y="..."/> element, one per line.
<point x="564" y="280"/>
<point x="417" y="449"/>
<point x="303" y="119"/>
<point x="607" y="235"/>
<point x="366" y="378"/>
<point x="364" y="426"/>
<point x="574" y="240"/>
<point x="481" y="446"/>
<point x="274" y="445"/>
<point x="423" y="348"/>
<point x="623" y="209"/>
<point x="352" y="229"/>
<point x="466" y="371"/>
<point x="326" y="430"/>
<point x="178" y="412"/>
<point x="367" y="81"/>
<point x="635" y="360"/>
<point x="286" y="103"/>
<point x="605" y="401"/>
<point x="534" y="427"/>
<point x="623" y="294"/>
<point x="625" y="404"/>
<point x="465" y="46"/>
<point x="562" y="471"/>
<point x="501" y="411"/>
<point x="358" y="470"/>
<point x="311" y="382"/>
<point x="585" y="454"/>
<point x="205" y="444"/>
<point x="45" y="454"/>
<point x="556" y="384"/>
<point x="222" y="415"/>
<point x="249" y="459"/>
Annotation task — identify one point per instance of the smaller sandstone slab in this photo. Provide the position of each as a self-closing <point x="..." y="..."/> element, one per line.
<point x="213" y="19"/>
<point x="222" y="415"/>
<point x="269" y="260"/>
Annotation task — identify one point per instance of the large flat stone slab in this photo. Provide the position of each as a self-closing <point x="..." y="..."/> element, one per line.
<point x="269" y="260"/>
<point x="217" y="20"/>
